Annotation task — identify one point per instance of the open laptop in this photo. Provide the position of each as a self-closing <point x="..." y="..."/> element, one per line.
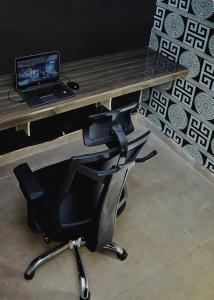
<point x="37" y="79"/>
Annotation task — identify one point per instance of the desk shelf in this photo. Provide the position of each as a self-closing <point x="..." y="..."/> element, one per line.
<point x="45" y="133"/>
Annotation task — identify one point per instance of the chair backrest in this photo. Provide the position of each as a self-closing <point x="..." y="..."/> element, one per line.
<point x="106" y="217"/>
<point x="109" y="176"/>
<point x="99" y="128"/>
<point x="103" y="174"/>
<point x="107" y="212"/>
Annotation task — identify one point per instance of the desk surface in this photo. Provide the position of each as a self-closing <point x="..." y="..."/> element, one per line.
<point x="100" y="78"/>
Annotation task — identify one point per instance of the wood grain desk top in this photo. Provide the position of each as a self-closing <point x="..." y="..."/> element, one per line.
<point x="100" y="78"/>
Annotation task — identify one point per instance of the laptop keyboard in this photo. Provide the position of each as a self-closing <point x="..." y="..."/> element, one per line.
<point x="47" y="94"/>
<point x="45" y="91"/>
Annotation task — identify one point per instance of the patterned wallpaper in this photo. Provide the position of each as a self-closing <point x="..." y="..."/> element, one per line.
<point x="183" y="31"/>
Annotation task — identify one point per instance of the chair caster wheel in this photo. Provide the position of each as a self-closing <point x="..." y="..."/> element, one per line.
<point x="47" y="240"/>
<point x="29" y="276"/>
<point x="88" y="298"/>
<point x="122" y="256"/>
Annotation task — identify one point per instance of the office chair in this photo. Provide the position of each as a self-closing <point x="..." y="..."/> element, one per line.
<point x="75" y="202"/>
<point x="111" y="128"/>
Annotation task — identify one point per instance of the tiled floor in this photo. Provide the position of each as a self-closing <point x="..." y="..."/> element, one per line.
<point x="167" y="229"/>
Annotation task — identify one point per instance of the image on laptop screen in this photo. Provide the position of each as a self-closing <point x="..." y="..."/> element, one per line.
<point x="34" y="70"/>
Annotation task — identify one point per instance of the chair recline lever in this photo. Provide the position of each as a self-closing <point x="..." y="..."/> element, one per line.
<point x="147" y="157"/>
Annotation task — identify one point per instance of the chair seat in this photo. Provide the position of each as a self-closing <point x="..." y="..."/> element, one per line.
<point x="75" y="211"/>
<point x="50" y="178"/>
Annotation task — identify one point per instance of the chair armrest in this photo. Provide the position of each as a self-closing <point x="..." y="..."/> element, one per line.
<point x="28" y="182"/>
<point x="147" y="157"/>
<point x="97" y="175"/>
<point x="89" y="172"/>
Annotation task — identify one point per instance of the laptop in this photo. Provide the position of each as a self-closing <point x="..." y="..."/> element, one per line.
<point x="37" y="79"/>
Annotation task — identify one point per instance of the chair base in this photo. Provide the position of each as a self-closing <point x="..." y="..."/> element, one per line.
<point x="75" y="246"/>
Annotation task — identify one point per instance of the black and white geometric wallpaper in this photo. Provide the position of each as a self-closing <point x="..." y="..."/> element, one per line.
<point x="183" y="31"/>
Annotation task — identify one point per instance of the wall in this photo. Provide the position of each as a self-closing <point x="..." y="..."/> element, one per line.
<point x="183" y="31"/>
<point x="78" y="28"/>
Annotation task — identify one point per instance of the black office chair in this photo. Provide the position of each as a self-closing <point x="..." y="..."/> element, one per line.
<point x="75" y="202"/>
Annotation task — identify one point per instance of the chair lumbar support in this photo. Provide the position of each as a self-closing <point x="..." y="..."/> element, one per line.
<point x="75" y="246"/>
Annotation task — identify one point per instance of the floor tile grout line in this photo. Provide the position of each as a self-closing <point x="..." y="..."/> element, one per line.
<point x="169" y="211"/>
<point x="39" y="166"/>
<point x="197" y="243"/>
<point x="158" y="270"/>
<point x="180" y="226"/>
<point x="183" y="228"/>
<point x="172" y="262"/>
<point x="207" y="241"/>
<point x="30" y="235"/>
<point x="4" y="177"/>
<point x="192" y="291"/>
<point x="141" y="281"/>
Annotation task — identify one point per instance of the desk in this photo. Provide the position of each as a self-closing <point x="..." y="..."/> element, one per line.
<point x="100" y="78"/>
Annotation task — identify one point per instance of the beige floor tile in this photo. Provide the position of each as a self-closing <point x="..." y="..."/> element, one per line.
<point x="12" y="214"/>
<point x="209" y="247"/>
<point x="150" y="174"/>
<point x="66" y="263"/>
<point x="205" y="288"/>
<point x="62" y="152"/>
<point x="190" y="205"/>
<point x="157" y="226"/>
<point x="187" y="196"/>
<point x="107" y="275"/>
<point x="3" y="172"/>
<point x="200" y="294"/>
<point x="167" y="230"/>
<point x="177" y="281"/>
<point x="207" y="285"/>
<point x="48" y="282"/>
<point x="34" y="161"/>
<point x="196" y="217"/>
<point x="166" y="163"/>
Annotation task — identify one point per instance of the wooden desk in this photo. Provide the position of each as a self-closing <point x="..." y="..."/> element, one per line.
<point x="100" y="78"/>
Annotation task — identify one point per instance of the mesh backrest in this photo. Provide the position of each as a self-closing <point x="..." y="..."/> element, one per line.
<point x="108" y="211"/>
<point x="105" y="221"/>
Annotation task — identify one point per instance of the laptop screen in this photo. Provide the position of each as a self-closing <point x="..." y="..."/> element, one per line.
<point x="37" y="69"/>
